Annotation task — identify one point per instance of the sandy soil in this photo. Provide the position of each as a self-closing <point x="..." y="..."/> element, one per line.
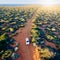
<point x="26" y="52"/>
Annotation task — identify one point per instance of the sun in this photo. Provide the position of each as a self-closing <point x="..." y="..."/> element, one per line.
<point x="47" y="2"/>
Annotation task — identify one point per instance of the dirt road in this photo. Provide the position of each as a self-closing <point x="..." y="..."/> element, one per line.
<point x="26" y="52"/>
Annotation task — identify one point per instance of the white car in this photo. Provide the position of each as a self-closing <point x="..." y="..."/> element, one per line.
<point x="27" y="41"/>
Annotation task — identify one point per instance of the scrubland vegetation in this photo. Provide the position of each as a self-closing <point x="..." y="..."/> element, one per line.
<point x="11" y="19"/>
<point x="46" y="29"/>
<point x="45" y="32"/>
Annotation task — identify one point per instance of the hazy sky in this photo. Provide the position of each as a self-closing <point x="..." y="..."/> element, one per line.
<point x="29" y="1"/>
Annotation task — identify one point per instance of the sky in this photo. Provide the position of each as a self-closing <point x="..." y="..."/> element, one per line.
<point x="30" y="2"/>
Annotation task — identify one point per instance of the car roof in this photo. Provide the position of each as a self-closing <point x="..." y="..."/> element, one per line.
<point x="27" y="39"/>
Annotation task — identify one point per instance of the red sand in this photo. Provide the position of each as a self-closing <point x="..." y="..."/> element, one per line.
<point x="26" y="52"/>
<point x="50" y="44"/>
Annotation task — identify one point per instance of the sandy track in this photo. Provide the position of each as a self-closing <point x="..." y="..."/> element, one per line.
<point x="26" y="52"/>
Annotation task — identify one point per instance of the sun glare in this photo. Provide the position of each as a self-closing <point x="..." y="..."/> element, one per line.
<point x="47" y="2"/>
